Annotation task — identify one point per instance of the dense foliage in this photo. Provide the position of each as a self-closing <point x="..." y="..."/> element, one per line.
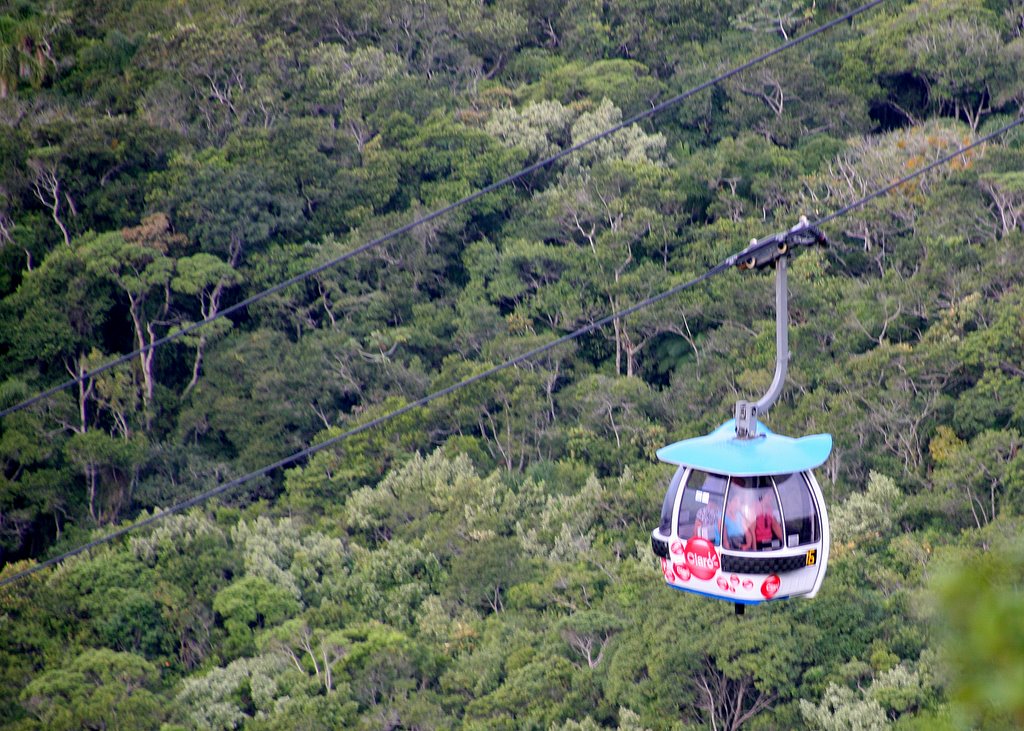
<point x="483" y="562"/>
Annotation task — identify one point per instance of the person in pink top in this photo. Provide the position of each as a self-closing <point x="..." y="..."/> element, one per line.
<point x="766" y="523"/>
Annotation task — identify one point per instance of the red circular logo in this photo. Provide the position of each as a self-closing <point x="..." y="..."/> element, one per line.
<point x="682" y="573"/>
<point x="770" y="587"/>
<point x="701" y="558"/>
<point x="748" y="584"/>
<point x="677" y="548"/>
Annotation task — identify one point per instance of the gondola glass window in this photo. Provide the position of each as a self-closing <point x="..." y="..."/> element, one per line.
<point x="700" y="511"/>
<point x="802" y="524"/>
<point x="753" y="503"/>
<point x="669" y="505"/>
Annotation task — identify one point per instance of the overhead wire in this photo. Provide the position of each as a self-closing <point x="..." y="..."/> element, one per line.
<point x="313" y="449"/>
<point x="654" y="110"/>
<point x="726" y="263"/>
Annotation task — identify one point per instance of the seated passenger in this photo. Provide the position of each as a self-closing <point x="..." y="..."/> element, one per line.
<point x="739" y="535"/>
<point x="766" y="524"/>
<point x="706" y="524"/>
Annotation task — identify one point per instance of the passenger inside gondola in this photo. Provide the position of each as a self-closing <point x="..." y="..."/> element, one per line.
<point x="708" y="520"/>
<point x="700" y="508"/>
<point x="767" y="528"/>
<point x="739" y="534"/>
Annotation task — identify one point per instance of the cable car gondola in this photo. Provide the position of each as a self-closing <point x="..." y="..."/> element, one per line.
<point x="744" y="519"/>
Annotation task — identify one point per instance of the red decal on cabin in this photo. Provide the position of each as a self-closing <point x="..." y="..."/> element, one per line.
<point x="770" y="587"/>
<point x="682" y="573"/>
<point x="677" y="548"/>
<point x="748" y="584"/>
<point x="701" y="558"/>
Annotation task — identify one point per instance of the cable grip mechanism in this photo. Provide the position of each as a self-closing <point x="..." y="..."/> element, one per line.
<point x="775" y="249"/>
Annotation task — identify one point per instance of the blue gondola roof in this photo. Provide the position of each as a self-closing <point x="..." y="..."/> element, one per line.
<point x="766" y="454"/>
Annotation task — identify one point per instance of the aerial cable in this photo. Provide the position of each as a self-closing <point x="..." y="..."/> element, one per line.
<point x="311" y="450"/>
<point x="726" y="263"/>
<point x="654" y="110"/>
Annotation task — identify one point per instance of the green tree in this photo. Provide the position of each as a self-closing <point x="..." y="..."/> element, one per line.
<point x="482" y="575"/>
<point x="787" y="102"/>
<point x="979" y="607"/>
<point x="310" y="567"/>
<point x="868" y="164"/>
<point x="110" y="467"/>
<point x="617" y="415"/>
<point x="350" y="84"/>
<point x="624" y="84"/>
<point x="249" y="605"/>
<point x="868" y="515"/>
<point x="506" y="411"/>
<point x="257" y="402"/>
<point x="588" y="633"/>
<point x="191" y="561"/>
<point x="97" y="689"/>
<point x="437" y="502"/>
<point x="56" y="314"/>
<point x="389" y="584"/>
<point x="961" y="55"/>
<point x="246" y="688"/>
<point x="142" y="273"/>
<point x="205" y="277"/>
<point x="842" y="709"/>
<point x="227" y="200"/>
<point x="28" y="36"/>
<point x="310" y="650"/>
<point x="391" y="676"/>
<point x="953" y="53"/>
<point x="30" y="641"/>
<point x="332" y="474"/>
<point x="215" y="66"/>
<point x="537" y="692"/>
<point x="32" y="488"/>
<point x="975" y="479"/>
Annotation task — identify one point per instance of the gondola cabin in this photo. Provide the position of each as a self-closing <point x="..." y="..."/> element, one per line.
<point x="744" y="519"/>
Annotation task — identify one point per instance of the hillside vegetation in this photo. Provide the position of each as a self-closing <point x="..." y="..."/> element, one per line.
<point x="483" y="562"/>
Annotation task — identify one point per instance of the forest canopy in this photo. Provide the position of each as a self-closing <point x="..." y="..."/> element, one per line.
<point x="483" y="561"/>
